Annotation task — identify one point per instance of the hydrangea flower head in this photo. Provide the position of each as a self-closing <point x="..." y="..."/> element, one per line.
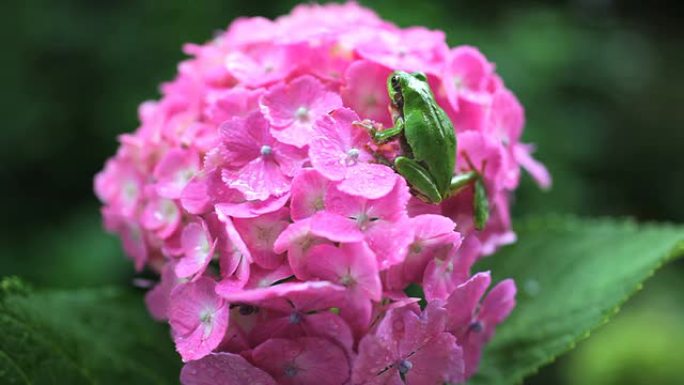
<point x="284" y="239"/>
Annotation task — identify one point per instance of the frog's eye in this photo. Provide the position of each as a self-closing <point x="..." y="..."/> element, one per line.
<point x="395" y="82"/>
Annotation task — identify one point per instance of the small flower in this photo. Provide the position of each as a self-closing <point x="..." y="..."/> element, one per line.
<point x="198" y="318"/>
<point x="175" y="171"/>
<point x="309" y="190"/>
<point x="339" y="151"/>
<point x="162" y="216"/>
<point x="292" y="108"/>
<point x="259" y="235"/>
<point x="434" y="237"/>
<point x="382" y="223"/>
<point x="258" y="165"/>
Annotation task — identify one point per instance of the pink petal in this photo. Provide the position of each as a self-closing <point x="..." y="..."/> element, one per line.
<point x="312" y="295"/>
<point x="198" y="247"/>
<point x="335" y="227"/>
<point x="389" y="241"/>
<point x="198" y="318"/>
<point x="252" y="209"/>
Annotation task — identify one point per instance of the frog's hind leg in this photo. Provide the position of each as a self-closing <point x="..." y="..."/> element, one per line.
<point x="418" y="178"/>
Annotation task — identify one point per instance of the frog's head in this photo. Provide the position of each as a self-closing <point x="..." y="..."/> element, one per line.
<point x="399" y="81"/>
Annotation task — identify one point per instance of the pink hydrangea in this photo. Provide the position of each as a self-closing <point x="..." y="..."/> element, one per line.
<point x="284" y="239"/>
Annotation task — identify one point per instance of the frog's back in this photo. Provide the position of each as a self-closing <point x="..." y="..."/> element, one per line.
<point x="438" y="153"/>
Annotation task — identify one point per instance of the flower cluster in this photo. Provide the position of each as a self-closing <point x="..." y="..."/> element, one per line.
<point x="284" y="248"/>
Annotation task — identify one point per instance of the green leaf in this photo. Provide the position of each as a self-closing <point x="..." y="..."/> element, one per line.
<point x="572" y="276"/>
<point x="94" y="336"/>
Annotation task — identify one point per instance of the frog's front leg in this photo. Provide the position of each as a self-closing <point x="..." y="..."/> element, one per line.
<point x="418" y="178"/>
<point x="383" y="136"/>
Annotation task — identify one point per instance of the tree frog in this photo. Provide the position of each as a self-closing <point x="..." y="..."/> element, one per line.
<point x="428" y="143"/>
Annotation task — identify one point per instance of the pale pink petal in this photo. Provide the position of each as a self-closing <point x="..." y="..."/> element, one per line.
<point x="541" y="175"/>
<point x="260" y="234"/>
<point x="308" y="193"/>
<point x="367" y="180"/>
<point x="225" y="104"/>
<point x="157" y="299"/>
<point x="174" y="171"/>
<point x="365" y="91"/>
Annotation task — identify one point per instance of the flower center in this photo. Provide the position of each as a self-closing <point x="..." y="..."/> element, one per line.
<point x="290" y="370"/>
<point x="130" y="191"/>
<point x="295" y="317"/>
<point x="302" y="114"/>
<point x="348" y="280"/>
<point x="458" y="83"/>
<point x="352" y="157"/>
<point x="247" y="309"/>
<point x="416" y="248"/>
<point x="266" y="150"/>
<point x="476" y="326"/>
<point x="404" y="366"/>
<point x="206" y="316"/>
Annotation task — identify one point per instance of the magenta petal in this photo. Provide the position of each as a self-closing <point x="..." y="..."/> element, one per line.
<point x="498" y="304"/>
<point x="439" y="362"/>
<point x="375" y="355"/>
<point x="463" y="302"/>
<point x="303" y="361"/>
<point x="223" y="369"/>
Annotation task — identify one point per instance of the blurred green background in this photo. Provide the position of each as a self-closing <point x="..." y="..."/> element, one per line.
<point x="601" y="81"/>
